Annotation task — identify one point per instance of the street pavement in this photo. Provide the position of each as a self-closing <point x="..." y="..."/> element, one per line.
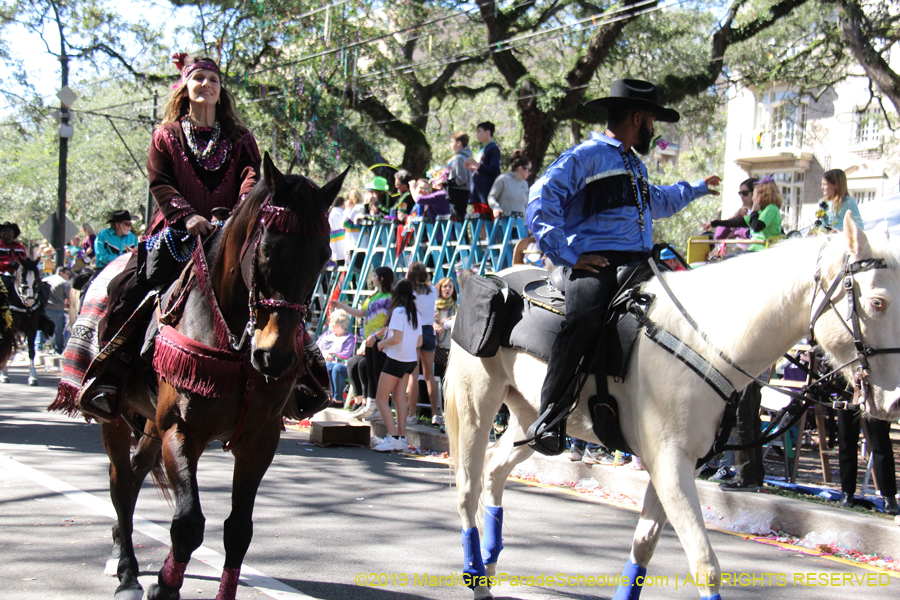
<point x="328" y="519"/>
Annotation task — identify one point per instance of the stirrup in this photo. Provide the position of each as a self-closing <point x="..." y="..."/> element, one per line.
<point x="99" y="401"/>
<point x="547" y="438"/>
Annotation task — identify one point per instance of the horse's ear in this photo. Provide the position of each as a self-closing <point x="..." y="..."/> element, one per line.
<point x="882" y="229"/>
<point x="331" y="189"/>
<point x="856" y="239"/>
<point x="271" y="175"/>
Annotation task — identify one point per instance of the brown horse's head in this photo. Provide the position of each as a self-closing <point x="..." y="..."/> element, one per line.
<point x="282" y="231"/>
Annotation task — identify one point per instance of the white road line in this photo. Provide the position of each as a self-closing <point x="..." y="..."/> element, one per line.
<point x="249" y="575"/>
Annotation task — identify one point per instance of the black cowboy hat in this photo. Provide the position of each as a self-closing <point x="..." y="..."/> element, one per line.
<point x="635" y="94"/>
<point x="13" y="226"/>
<point x="120" y="216"/>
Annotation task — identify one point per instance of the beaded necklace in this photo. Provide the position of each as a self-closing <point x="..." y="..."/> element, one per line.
<point x="187" y="126"/>
<point x="642" y="200"/>
<point x="214" y="155"/>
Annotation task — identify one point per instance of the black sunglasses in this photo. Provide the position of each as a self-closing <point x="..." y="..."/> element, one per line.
<point x="744" y="193"/>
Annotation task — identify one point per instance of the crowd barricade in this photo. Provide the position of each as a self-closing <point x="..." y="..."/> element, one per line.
<point x="446" y="247"/>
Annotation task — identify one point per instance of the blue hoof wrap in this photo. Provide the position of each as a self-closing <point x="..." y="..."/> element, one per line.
<point x="473" y="566"/>
<point x="713" y="597"/>
<point x="632" y="589"/>
<point x="492" y="540"/>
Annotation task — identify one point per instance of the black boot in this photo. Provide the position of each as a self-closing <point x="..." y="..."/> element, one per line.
<point x="890" y="506"/>
<point x="548" y="432"/>
<point x="847" y="500"/>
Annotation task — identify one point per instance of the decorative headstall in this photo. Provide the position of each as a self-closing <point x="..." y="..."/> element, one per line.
<point x="861" y="388"/>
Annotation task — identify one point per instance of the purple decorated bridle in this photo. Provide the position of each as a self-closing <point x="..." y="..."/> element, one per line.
<point x="276" y="218"/>
<point x="282" y="220"/>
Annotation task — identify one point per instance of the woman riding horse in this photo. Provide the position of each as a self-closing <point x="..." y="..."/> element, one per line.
<point x="201" y="158"/>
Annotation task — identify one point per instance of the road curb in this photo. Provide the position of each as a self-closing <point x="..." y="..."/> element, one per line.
<point x="794" y="517"/>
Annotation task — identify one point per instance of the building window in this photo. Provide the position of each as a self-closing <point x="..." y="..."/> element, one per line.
<point x="868" y="125"/>
<point x="781" y="120"/>
<point x="863" y="196"/>
<point x="790" y="184"/>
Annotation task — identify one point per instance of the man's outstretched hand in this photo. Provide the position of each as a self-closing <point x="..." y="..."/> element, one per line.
<point x="712" y="180"/>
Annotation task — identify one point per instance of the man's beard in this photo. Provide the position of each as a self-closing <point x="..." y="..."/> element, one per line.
<point x="645" y="136"/>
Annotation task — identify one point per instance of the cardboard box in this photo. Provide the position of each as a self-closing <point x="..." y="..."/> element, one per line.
<point x="337" y="433"/>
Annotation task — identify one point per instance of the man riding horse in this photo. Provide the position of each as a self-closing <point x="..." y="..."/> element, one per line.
<point x="11" y="253"/>
<point x="592" y="211"/>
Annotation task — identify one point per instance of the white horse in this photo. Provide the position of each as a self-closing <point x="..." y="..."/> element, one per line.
<point x="753" y="308"/>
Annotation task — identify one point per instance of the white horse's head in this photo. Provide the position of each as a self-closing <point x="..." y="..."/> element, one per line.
<point x="877" y="294"/>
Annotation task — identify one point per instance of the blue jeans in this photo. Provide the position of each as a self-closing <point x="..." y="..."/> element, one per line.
<point x="581" y="445"/>
<point x="60" y="320"/>
<point x="337" y="374"/>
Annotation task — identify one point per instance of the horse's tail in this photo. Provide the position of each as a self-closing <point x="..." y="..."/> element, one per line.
<point x="8" y="346"/>
<point x="451" y="416"/>
<point x="144" y="443"/>
<point x="161" y="479"/>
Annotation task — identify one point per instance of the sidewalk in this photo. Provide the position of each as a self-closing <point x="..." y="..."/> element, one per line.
<point x="734" y="511"/>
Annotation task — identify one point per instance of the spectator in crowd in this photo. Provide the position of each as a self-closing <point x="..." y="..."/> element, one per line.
<point x="404" y="336"/>
<point x="426" y="296"/>
<point x="444" y="311"/>
<point x="840" y="202"/>
<point x="337" y="346"/>
<point x="405" y="202"/>
<point x="356" y="371"/>
<point x="431" y="204"/>
<point x="87" y="243"/>
<point x="354" y="210"/>
<point x="57" y="306"/>
<point x="11" y="253"/>
<point x="509" y="194"/>
<point x="459" y="178"/>
<point x="336" y="225"/>
<point x="374" y="310"/>
<point x="485" y="169"/>
<point x="116" y="239"/>
<point x="376" y="194"/>
<point x="745" y="191"/>
<point x="48" y="258"/>
<point x="74" y="258"/>
<point x="671" y="260"/>
<point x="879" y="439"/>
<point x="764" y="219"/>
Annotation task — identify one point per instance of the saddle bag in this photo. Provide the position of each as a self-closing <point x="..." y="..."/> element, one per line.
<point x="162" y="256"/>
<point x="484" y="309"/>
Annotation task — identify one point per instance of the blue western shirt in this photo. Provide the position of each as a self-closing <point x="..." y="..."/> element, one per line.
<point x="565" y="227"/>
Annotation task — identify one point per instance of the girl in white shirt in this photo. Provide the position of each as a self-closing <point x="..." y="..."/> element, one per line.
<point x="426" y="297"/>
<point x="404" y="337"/>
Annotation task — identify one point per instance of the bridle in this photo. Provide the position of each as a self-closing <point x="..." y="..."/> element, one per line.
<point x="281" y="220"/>
<point x="861" y="388"/>
<point x="27" y="292"/>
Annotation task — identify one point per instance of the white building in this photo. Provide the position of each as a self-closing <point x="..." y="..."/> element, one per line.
<point x="796" y="138"/>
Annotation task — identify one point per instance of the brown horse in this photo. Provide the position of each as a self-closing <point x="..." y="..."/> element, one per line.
<point x="261" y="271"/>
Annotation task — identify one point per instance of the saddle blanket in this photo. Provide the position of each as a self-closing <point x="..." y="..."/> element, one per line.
<point x="83" y="345"/>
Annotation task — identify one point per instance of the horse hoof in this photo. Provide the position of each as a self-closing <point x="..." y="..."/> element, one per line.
<point x="130" y="594"/>
<point x="112" y="566"/>
<point x="483" y="593"/>
<point x="4" y="379"/>
<point x="156" y="592"/>
<point x="32" y="381"/>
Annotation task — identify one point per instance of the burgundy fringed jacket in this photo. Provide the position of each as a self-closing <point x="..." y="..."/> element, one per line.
<point x="182" y="187"/>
